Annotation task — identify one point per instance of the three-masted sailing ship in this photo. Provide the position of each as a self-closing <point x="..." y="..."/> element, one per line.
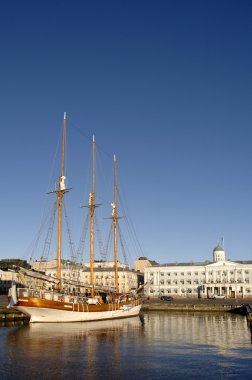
<point x="59" y="305"/>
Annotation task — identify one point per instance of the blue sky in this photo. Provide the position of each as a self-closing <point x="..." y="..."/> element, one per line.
<point x="165" y="85"/>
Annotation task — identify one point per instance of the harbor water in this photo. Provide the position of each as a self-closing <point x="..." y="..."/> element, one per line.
<point x="156" y="345"/>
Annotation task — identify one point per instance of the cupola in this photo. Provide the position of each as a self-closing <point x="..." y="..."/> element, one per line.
<point x="218" y="254"/>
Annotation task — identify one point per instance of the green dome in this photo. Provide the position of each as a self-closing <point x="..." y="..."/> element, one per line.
<point x="218" y="248"/>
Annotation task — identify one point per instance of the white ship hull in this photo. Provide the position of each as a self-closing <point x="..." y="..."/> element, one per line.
<point x="53" y="315"/>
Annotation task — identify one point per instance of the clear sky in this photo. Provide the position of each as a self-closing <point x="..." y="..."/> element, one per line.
<point x="165" y="85"/>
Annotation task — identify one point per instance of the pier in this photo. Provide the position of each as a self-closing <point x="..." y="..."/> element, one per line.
<point x="249" y="312"/>
<point x="11" y="315"/>
<point x="198" y="305"/>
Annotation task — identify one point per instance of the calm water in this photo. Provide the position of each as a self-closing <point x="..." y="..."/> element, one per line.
<point x="154" y="346"/>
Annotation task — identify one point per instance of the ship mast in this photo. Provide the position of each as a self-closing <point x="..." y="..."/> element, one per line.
<point x="91" y="211"/>
<point x="114" y="218"/>
<point x="60" y="192"/>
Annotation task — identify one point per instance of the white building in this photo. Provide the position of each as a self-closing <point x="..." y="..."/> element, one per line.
<point x="221" y="277"/>
<point x="103" y="276"/>
<point x="6" y="279"/>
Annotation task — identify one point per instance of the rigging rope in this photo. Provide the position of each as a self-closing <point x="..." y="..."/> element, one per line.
<point x="80" y="249"/>
<point x="70" y="240"/>
<point x="34" y="245"/>
<point x="108" y="243"/>
<point x="100" y="241"/>
<point x="131" y="229"/>
<point x="48" y="240"/>
<point x="122" y="243"/>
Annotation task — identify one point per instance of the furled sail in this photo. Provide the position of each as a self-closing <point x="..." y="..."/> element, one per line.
<point x="35" y="274"/>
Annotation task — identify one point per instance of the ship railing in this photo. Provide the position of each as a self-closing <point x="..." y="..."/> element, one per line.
<point x="34" y="293"/>
<point x="50" y="295"/>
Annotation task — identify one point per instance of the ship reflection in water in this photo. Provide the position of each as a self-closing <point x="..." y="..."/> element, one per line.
<point x="152" y="346"/>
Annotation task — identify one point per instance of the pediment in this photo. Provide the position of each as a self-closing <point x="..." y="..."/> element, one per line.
<point x="224" y="263"/>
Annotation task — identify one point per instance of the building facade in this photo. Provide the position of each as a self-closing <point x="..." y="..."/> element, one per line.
<point x="220" y="278"/>
<point x="104" y="276"/>
<point x="141" y="263"/>
<point x="6" y="279"/>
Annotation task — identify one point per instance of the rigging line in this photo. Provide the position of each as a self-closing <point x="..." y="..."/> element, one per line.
<point x="34" y="244"/>
<point x="99" y="235"/>
<point x="108" y="242"/>
<point x="80" y="131"/>
<point x="53" y="165"/>
<point x="45" y="214"/>
<point x="70" y="240"/>
<point x="131" y="227"/>
<point x="91" y="139"/>
<point x="123" y="241"/>
<point x="123" y="244"/>
<point x="48" y="240"/>
<point x="104" y="178"/>
<point x="80" y="250"/>
<point x="87" y="179"/>
<point x="132" y="233"/>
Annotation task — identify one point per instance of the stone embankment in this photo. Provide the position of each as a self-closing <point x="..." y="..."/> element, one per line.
<point x="196" y="305"/>
<point x="11" y="315"/>
<point x="186" y="307"/>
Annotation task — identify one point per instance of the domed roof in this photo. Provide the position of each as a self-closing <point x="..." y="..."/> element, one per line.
<point x="218" y="248"/>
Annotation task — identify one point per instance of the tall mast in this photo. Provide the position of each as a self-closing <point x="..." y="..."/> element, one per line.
<point x="91" y="210"/>
<point x="114" y="217"/>
<point x="60" y="192"/>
